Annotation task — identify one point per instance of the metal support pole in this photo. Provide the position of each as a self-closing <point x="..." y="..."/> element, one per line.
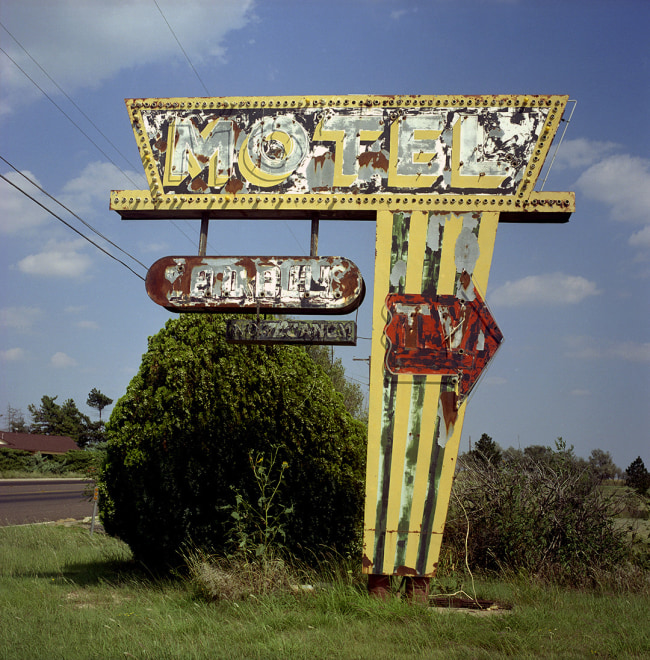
<point x="417" y="589"/>
<point x="92" y="522"/>
<point x="313" y="252"/>
<point x="379" y="586"/>
<point x="203" y="239"/>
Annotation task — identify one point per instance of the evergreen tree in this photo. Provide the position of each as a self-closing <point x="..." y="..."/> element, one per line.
<point x="98" y="400"/>
<point x="637" y="476"/>
<point x="50" y="418"/>
<point x="487" y="450"/>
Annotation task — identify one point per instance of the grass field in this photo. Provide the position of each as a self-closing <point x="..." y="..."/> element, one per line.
<point x="65" y="594"/>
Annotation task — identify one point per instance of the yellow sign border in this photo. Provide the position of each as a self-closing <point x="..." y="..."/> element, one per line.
<point x="155" y="199"/>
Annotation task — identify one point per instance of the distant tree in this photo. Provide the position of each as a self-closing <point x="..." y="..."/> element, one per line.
<point x="538" y="452"/>
<point x="50" y="418"/>
<point x="98" y="400"/>
<point x="15" y="420"/>
<point x="333" y="367"/>
<point x="637" y="476"/>
<point x="487" y="450"/>
<point x="602" y="465"/>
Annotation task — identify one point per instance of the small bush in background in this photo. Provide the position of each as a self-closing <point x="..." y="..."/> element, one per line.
<point x="542" y="512"/>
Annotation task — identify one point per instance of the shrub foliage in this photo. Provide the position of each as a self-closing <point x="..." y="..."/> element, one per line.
<point x="541" y="512"/>
<point x="181" y="439"/>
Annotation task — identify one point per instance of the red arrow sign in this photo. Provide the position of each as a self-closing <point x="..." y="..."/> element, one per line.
<point x="442" y="335"/>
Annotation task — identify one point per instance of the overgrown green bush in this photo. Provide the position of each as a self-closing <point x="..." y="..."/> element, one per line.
<point x="547" y="515"/>
<point x="76" y="462"/>
<point x="180" y="441"/>
<point x="14" y="460"/>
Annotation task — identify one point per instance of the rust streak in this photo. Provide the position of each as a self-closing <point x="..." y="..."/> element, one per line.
<point x="234" y="186"/>
<point x="449" y="409"/>
<point x="375" y="159"/>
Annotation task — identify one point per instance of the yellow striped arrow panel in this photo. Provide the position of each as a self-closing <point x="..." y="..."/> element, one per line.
<point x="414" y="424"/>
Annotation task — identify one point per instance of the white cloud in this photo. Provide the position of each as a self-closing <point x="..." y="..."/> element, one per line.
<point x="19" y="318"/>
<point x="81" y="44"/>
<point x="622" y="182"/>
<point x="581" y="152"/>
<point x="589" y="348"/>
<point x="62" y="361"/>
<point x="13" y="355"/>
<point x="547" y="289"/>
<point x="641" y="238"/>
<point x="89" y="190"/>
<point x="579" y="392"/>
<point x="18" y="214"/>
<point x="88" y="325"/>
<point x="58" y="259"/>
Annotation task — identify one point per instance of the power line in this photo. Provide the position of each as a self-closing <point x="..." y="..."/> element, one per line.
<point x="67" y="116"/>
<point x="67" y="96"/>
<point x="76" y="125"/>
<point x="196" y="73"/>
<point x="54" y="199"/>
<point x="67" y="224"/>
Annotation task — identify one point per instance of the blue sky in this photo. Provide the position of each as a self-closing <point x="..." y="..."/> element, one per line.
<point x="571" y="299"/>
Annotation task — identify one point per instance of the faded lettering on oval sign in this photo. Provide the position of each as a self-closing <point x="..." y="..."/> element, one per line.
<point x="307" y="285"/>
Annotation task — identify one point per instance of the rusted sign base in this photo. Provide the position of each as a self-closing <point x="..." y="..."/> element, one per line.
<point x="249" y="331"/>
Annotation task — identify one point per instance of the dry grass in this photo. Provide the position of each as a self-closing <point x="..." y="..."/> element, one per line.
<point x="238" y="578"/>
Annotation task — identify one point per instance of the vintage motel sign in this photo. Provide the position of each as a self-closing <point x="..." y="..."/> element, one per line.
<point x="436" y="174"/>
<point x="290" y="285"/>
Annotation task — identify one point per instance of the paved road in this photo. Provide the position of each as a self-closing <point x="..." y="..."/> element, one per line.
<point x="42" y="500"/>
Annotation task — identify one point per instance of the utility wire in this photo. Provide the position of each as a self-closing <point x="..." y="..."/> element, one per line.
<point x="54" y="199"/>
<point x="196" y="73"/>
<point x="67" y="224"/>
<point x="72" y="120"/>
<point x="67" y="96"/>
<point x="67" y="116"/>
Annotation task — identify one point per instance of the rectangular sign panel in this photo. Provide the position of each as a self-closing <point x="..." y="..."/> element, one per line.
<point x="225" y="153"/>
<point x="245" y="331"/>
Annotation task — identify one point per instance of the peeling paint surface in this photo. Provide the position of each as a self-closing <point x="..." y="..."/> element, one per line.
<point x="244" y="331"/>
<point x="307" y="285"/>
<point x="441" y="335"/>
<point x="437" y="336"/>
<point x="290" y="145"/>
<point x="437" y="174"/>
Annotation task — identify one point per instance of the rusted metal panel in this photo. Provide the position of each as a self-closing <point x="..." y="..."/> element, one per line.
<point x="236" y="154"/>
<point x="444" y="335"/>
<point x="289" y="331"/>
<point x="296" y="285"/>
